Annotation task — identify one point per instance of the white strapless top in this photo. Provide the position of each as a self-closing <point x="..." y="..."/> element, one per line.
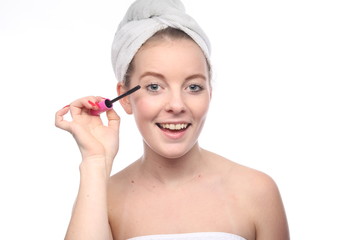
<point x="191" y="236"/>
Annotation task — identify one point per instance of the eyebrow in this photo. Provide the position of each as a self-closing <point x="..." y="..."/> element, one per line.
<point x="194" y="76"/>
<point x="158" y="75"/>
<point x="154" y="74"/>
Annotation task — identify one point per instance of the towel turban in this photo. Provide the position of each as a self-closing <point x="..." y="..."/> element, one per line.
<point x="142" y="20"/>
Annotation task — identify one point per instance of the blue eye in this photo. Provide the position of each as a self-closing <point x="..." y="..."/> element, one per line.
<point x="195" y="88"/>
<point x="153" y="87"/>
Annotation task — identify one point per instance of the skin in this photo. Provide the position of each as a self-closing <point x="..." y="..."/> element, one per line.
<point x="176" y="186"/>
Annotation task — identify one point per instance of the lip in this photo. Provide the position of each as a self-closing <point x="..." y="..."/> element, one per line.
<point x="173" y="134"/>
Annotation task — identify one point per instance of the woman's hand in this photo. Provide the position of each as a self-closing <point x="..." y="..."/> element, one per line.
<point x="95" y="140"/>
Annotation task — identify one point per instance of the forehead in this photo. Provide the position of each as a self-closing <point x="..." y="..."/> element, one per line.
<point x="171" y="53"/>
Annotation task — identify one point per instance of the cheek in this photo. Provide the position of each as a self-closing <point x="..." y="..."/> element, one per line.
<point x="144" y="108"/>
<point x="200" y="107"/>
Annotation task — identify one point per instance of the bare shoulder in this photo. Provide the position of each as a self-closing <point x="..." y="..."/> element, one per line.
<point x="264" y="202"/>
<point x="120" y="189"/>
<point x="122" y="179"/>
<point x="242" y="177"/>
<point x="256" y="183"/>
<point x="259" y="196"/>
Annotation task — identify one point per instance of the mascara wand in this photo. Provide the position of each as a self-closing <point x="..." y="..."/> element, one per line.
<point x="107" y="104"/>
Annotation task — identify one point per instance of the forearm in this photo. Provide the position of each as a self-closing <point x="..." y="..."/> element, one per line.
<point x="89" y="218"/>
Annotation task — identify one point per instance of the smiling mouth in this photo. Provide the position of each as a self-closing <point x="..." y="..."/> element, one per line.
<point x="173" y="126"/>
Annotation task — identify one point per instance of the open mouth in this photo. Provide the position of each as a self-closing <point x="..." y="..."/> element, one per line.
<point x="173" y="127"/>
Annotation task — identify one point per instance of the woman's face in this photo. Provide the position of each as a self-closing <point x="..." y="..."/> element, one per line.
<point x="171" y="107"/>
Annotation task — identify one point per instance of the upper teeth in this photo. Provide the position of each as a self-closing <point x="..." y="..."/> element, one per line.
<point x="173" y="126"/>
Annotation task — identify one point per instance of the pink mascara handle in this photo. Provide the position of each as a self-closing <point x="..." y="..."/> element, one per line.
<point x="103" y="107"/>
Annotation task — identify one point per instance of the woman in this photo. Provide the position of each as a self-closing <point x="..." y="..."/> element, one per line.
<point x="176" y="190"/>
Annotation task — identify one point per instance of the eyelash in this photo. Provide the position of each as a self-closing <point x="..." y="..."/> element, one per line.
<point x="148" y="87"/>
<point x="198" y="88"/>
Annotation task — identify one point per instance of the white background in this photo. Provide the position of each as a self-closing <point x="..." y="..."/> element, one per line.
<point x="286" y="101"/>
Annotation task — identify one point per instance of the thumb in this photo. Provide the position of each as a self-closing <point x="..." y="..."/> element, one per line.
<point x="113" y="119"/>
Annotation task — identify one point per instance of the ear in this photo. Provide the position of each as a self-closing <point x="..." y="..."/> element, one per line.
<point x="125" y="101"/>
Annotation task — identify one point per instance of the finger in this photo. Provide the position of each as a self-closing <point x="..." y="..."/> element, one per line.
<point x="113" y="119"/>
<point x="99" y="99"/>
<point x="59" y="119"/>
<point x="83" y="105"/>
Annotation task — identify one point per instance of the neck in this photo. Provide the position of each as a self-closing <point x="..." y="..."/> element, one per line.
<point x="172" y="172"/>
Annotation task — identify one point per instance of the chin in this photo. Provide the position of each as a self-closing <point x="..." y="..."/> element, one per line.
<point x="173" y="155"/>
<point x="174" y="151"/>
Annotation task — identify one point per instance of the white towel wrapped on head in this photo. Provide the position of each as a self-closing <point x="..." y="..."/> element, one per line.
<point x="143" y="19"/>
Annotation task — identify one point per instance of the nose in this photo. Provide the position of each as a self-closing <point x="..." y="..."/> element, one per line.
<point x="175" y="103"/>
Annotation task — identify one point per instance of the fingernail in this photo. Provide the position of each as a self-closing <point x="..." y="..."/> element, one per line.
<point x="92" y="104"/>
<point x="66" y="106"/>
<point x="97" y="104"/>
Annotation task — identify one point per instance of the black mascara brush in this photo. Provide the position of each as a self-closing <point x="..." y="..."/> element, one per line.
<point x="107" y="104"/>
